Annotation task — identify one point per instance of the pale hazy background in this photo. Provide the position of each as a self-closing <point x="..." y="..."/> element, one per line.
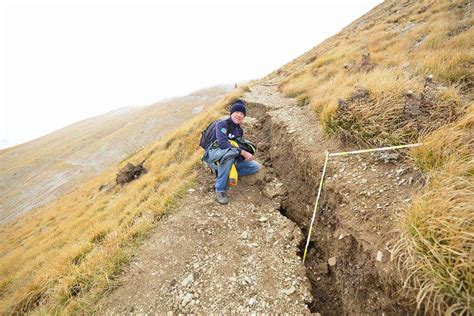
<point x="64" y="61"/>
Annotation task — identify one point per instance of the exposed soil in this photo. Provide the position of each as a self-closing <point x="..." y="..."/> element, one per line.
<point x="246" y="256"/>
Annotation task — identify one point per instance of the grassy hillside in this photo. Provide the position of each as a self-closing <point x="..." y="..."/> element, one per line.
<point x="401" y="73"/>
<point x="38" y="171"/>
<point x="404" y="73"/>
<point x="70" y="249"/>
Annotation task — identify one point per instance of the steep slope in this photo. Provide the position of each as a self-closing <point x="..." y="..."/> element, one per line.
<point x="401" y="73"/>
<point x="72" y="247"/>
<point x="39" y="171"/>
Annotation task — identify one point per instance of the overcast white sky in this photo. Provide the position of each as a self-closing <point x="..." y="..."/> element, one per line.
<point x="64" y="61"/>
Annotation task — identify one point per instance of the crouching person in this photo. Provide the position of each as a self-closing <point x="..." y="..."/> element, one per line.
<point x="220" y="154"/>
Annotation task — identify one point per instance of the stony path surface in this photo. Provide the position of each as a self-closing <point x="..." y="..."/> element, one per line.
<point x="212" y="258"/>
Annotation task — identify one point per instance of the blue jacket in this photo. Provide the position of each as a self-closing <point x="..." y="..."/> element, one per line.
<point x="225" y="130"/>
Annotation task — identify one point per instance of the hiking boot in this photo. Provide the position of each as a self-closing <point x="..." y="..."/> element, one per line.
<point x="222" y="197"/>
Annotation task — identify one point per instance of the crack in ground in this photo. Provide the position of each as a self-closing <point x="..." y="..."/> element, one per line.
<point x="323" y="290"/>
<point x="348" y="260"/>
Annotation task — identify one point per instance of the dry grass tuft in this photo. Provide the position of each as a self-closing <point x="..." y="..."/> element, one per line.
<point x="437" y="245"/>
<point x="454" y="142"/>
<point x="436" y="250"/>
<point x="390" y="60"/>
<point x="389" y="109"/>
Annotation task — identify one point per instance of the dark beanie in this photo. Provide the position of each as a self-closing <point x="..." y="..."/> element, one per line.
<point x="238" y="105"/>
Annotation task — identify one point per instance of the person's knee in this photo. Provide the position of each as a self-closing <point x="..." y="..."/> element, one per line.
<point x="256" y="167"/>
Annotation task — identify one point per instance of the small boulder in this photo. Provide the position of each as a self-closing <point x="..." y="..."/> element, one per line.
<point x="188" y="280"/>
<point x="274" y="189"/>
<point x="129" y="173"/>
<point x="379" y="256"/>
<point x="288" y="291"/>
<point x="186" y="299"/>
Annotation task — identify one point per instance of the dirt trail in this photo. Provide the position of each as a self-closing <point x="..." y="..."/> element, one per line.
<point x="245" y="257"/>
<point x="211" y="258"/>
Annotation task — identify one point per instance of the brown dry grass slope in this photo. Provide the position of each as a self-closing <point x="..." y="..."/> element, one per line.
<point x="401" y="73"/>
<point x="71" y="248"/>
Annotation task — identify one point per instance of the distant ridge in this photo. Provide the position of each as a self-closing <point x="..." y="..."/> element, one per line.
<point x="40" y="170"/>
